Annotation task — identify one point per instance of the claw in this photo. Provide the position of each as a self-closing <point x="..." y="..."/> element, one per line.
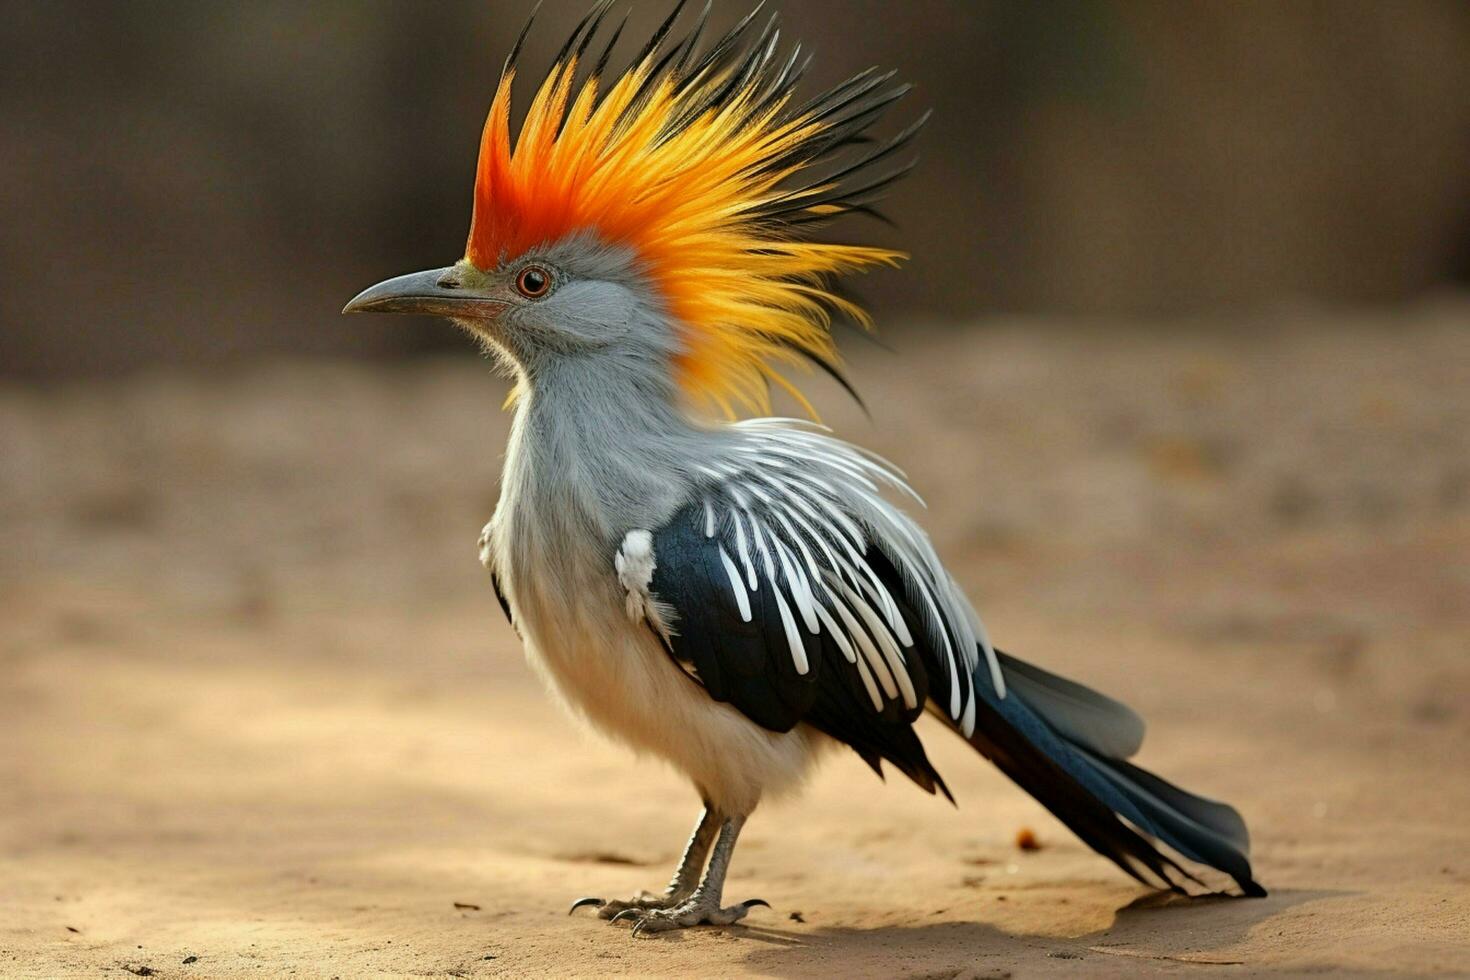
<point x="589" y="900"/>
<point x="753" y="902"/>
<point x="625" y="913"/>
<point x="637" y="928"/>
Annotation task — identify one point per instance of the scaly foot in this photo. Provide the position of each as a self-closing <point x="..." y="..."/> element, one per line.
<point x="643" y="901"/>
<point x="694" y="911"/>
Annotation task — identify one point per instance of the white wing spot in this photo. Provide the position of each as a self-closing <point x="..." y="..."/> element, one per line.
<point x="486" y="557"/>
<point x="635" y="564"/>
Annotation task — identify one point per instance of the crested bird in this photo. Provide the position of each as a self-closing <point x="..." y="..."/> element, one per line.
<point x="734" y="593"/>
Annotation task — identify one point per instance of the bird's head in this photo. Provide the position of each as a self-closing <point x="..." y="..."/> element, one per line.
<point x="661" y="216"/>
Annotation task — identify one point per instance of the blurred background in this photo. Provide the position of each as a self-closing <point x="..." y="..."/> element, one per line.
<point x="202" y="181"/>
<point x="1181" y="364"/>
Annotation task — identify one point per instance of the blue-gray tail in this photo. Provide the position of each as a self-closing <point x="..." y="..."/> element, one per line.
<point x="1068" y="746"/>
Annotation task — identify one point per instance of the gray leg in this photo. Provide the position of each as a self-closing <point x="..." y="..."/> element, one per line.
<point x="686" y="876"/>
<point x="702" y="907"/>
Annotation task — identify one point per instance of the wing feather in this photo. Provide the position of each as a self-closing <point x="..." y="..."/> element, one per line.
<point x="799" y="594"/>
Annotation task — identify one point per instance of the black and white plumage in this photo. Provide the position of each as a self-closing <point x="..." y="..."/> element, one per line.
<point x="791" y="589"/>
<point x="737" y="598"/>
<point x="799" y="594"/>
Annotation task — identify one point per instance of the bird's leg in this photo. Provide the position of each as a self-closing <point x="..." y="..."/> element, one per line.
<point x="702" y="907"/>
<point x="686" y="876"/>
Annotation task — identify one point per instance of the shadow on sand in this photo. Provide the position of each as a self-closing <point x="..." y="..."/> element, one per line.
<point x="1147" y="935"/>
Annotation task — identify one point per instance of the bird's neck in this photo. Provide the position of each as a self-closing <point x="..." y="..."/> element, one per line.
<point x="595" y="452"/>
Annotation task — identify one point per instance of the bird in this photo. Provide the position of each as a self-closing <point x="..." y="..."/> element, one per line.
<point x="649" y="258"/>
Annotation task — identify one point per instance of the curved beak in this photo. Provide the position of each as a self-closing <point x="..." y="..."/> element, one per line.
<point x="435" y="292"/>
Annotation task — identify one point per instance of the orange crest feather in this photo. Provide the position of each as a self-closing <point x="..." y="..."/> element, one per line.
<point x="705" y="170"/>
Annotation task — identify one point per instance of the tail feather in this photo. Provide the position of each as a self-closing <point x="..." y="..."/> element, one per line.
<point x="1079" y="714"/>
<point x="1066" y="745"/>
<point x="1202" y="830"/>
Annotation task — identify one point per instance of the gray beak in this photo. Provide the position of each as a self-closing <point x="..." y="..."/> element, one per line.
<point x="436" y="292"/>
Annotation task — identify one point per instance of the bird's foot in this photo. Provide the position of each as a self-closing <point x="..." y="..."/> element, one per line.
<point x="694" y="911"/>
<point x="643" y="901"/>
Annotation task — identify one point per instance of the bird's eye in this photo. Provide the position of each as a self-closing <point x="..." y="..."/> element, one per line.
<point x="533" y="282"/>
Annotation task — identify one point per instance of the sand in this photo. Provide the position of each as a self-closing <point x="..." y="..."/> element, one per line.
<point x="260" y="714"/>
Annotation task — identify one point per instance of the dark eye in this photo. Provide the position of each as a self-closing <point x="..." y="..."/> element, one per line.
<point x="533" y="282"/>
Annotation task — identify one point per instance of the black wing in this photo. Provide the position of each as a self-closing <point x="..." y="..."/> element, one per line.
<point x="504" y="604"/>
<point x="743" y="605"/>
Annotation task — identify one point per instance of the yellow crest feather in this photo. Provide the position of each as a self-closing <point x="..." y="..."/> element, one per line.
<point x="709" y="172"/>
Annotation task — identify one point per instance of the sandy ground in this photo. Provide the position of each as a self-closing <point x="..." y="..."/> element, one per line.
<point x="260" y="715"/>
